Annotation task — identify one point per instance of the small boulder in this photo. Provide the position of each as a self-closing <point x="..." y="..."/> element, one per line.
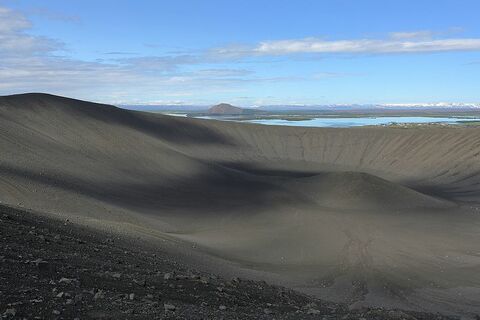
<point x="99" y="295"/>
<point x="116" y="275"/>
<point x="10" y="312"/>
<point x="313" y="311"/>
<point x="169" y="307"/>
<point x="66" y="280"/>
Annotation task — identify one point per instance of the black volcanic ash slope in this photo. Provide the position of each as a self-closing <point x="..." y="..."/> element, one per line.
<point x="365" y="216"/>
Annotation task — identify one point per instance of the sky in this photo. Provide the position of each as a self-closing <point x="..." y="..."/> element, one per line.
<point x="243" y="52"/>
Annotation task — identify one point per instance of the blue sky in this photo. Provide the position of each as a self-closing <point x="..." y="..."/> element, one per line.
<point x="243" y="52"/>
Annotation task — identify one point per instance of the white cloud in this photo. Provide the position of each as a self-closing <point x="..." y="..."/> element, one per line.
<point x="14" y="41"/>
<point x="223" y="72"/>
<point x="53" y="15"/>
<point x="312" y="45"/>
<point x="157" y="64"/>
<point x="397" y="43"/>
<point x="11" y="21"/>
<point x="34" y="63"/>
<point x="31" y="63"/>
<point x="425" y="34"/>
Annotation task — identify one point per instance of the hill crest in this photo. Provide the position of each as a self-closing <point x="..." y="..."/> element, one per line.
<point x="225" y="108"/>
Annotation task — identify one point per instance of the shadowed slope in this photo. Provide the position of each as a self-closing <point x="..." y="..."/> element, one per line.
<point x="360" y="191"/>
<point x="125" y="159"/>
<point x="442" y="161"/>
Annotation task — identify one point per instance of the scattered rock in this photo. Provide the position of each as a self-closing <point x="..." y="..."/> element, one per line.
<point x="313" y="311"/>
<point x="41" y="297"/>
<point x="10" y="312"/>
<point x="41" y="264"/>
<point x="78" y="298"/>
<point x="142" y="283"/>
<point x="169" y="307"/>
<point x="400" y="315"/>
<point x="66" y="280"/>
<point x="99" y="295"/>
<point x="311" y="305"/>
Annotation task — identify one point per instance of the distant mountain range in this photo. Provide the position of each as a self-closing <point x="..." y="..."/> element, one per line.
<point x="371" y="106"/>
<point x="433" y="105"/>
<point x="225" y="108"/>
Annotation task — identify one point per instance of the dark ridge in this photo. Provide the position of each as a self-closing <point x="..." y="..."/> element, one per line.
<point x="173" y="130"/>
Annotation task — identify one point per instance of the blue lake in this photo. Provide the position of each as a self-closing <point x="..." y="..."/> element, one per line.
<point x="342" y="122"/>
<point x="358" y="122"/>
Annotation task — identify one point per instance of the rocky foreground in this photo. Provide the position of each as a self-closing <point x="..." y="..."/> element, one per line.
<point x="51" y="269"/>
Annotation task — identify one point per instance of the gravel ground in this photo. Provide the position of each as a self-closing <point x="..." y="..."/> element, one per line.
<point x="52" y="269"/>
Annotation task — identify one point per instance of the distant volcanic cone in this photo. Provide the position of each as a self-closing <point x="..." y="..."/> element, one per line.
<point x="225" y="108"/>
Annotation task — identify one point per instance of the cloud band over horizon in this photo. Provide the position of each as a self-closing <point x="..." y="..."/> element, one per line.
<point x="39" y="63"/>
